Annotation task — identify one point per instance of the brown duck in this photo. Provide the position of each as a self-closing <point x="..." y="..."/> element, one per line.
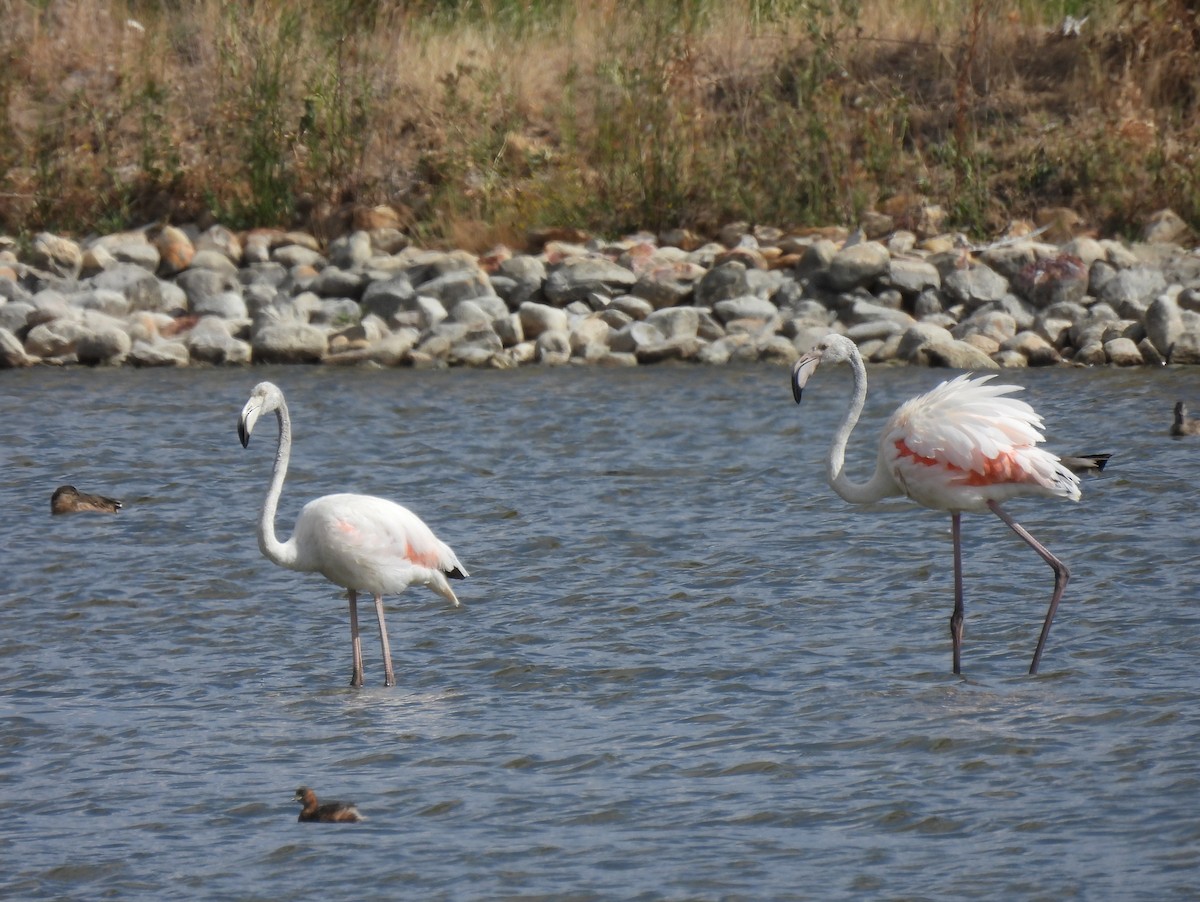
<point x="69" y="500"/>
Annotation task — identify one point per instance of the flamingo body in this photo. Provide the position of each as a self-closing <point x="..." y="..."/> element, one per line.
<point x="966" y="443"/>
<point x="372" y="545"/>
<point x="964" y="446"/>
<point x="359" y="542"/>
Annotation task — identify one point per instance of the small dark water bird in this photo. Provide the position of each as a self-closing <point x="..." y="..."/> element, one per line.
<point x="1184" y="425"/>
<point x="69" y="500"/>
<point x="1085" y="463"/>
<point x="328" y="813"/>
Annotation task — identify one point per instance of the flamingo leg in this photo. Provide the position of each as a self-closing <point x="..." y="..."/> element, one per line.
<point x="389" y="678"/>
<point x="1061" y="575"/>
<point x="956" y="619"/>
<point x="356" y="679"/>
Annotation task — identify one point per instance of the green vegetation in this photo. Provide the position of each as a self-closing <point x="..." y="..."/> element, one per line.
<point x="479" y="120"/>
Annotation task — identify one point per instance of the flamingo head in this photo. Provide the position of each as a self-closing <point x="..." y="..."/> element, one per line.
<point x="833" y="348"/>
<point x="265" y="398"/>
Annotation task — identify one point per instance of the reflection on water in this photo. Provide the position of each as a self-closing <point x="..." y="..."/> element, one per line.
<point x="684" y="668"/>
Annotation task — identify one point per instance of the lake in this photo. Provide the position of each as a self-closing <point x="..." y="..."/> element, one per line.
<point x="683" y="668"/>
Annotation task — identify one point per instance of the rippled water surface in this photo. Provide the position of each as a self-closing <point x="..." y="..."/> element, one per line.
<point x="683" y="669"/>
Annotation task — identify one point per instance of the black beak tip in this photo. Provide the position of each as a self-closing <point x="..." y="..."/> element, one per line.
<point x="243" y="436"/>
<point x="796" y="390"/>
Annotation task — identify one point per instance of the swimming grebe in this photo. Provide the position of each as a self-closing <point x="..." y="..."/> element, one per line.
<point x="329" y="813"/>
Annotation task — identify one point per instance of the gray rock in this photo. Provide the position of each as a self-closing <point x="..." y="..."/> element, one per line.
<point x="859" y="310"/>
<point x="527" y="273"/>
<point x="60" y="256"/>
<point x="292" y="255"/>
<point x="226" y="304"/>
<point x="721" y="283"/>
<point x="680" y="348"/>
<point x="629" y="339"/>
<point x="12" y="354"/>
<point x="676" y="322"/>
<point x="1164" y="324"/>
<point x="669" y="285"/>
<point x="912" y="277"/>
<point x="334" y="282"/>
<point x="201" y="285"/>
<point x="386" y="299"/>
<point x="419" y="312"/>
<point x="858" y="265"/>
<point x="745" y="307"/>
<point x="930" y="345"/>
<point x="509" y="329"/>
<point x="55" y="338"/>
<point x="1186" y="348"/>
<point x="974" y="286"/>
<point x="210" y="341"/>
<point x="138" y="251"/>
<point x="539" y="318"/>
<point x="159" y="353"/>
<point x="553" y="348"/>
<point x="104" y="341"/>
<point x="460" y="285"/>
<point x="288" y="342"/>
<point x="14" y="316"/>
<point x="1139" y="285"/>
<point x="350" y="251"/>
<point x="212" y="260"/>
<point x="1123" y="352"/>
<point x="587" y="334"/>
<point x="576" y="279"/>
<point x="103" y="300"/>
<point x="143" y="289"/>
<point x="633" y="307"/>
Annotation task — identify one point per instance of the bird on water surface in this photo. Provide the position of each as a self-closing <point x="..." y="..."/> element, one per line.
<point x="963" y="446"/>
<point x="327" y="813"/>
<point x="69" y="500"/>
<point x="1184" y="425"/>
<point x="358" y="542"/>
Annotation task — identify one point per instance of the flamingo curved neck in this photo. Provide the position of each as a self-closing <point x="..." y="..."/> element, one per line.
<point x="282" y="553"/>
<point x="880" y="485"/>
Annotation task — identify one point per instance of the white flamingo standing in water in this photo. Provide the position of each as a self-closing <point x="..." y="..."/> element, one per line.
<point x="962" y="447"/>
<point x="359" y="542"/>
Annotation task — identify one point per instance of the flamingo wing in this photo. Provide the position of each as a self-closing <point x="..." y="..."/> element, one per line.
<point x="966" y="438"/>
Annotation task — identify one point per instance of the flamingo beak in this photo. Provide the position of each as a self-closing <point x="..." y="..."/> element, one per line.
<point x="247" y="420"/>
<point x="801" y="372"/>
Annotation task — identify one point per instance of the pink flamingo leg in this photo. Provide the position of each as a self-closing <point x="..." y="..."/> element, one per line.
<point x="356" y="679"/>
<point x="1061" y="575"/>
<point x="389" y="678"/>
<point x="956" y="619"/>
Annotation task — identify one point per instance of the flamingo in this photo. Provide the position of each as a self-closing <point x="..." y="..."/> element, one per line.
<point x="963" y="446"/>
<point x="358" y="542"/>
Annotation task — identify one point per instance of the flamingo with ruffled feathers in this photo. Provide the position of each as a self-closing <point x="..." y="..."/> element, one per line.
<point x="964" y="446"/>
<point x="358" y="542"/>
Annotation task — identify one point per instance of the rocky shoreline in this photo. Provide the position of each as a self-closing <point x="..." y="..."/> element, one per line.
<point x="178" y="296"/>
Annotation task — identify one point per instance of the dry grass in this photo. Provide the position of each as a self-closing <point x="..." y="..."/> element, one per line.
<point x="478" y="121"/>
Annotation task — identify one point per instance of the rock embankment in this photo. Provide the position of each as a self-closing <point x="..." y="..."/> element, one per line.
<point x="172" y="296"/>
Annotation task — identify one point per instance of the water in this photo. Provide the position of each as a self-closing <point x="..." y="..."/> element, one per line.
<point x="684" y="669"/>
